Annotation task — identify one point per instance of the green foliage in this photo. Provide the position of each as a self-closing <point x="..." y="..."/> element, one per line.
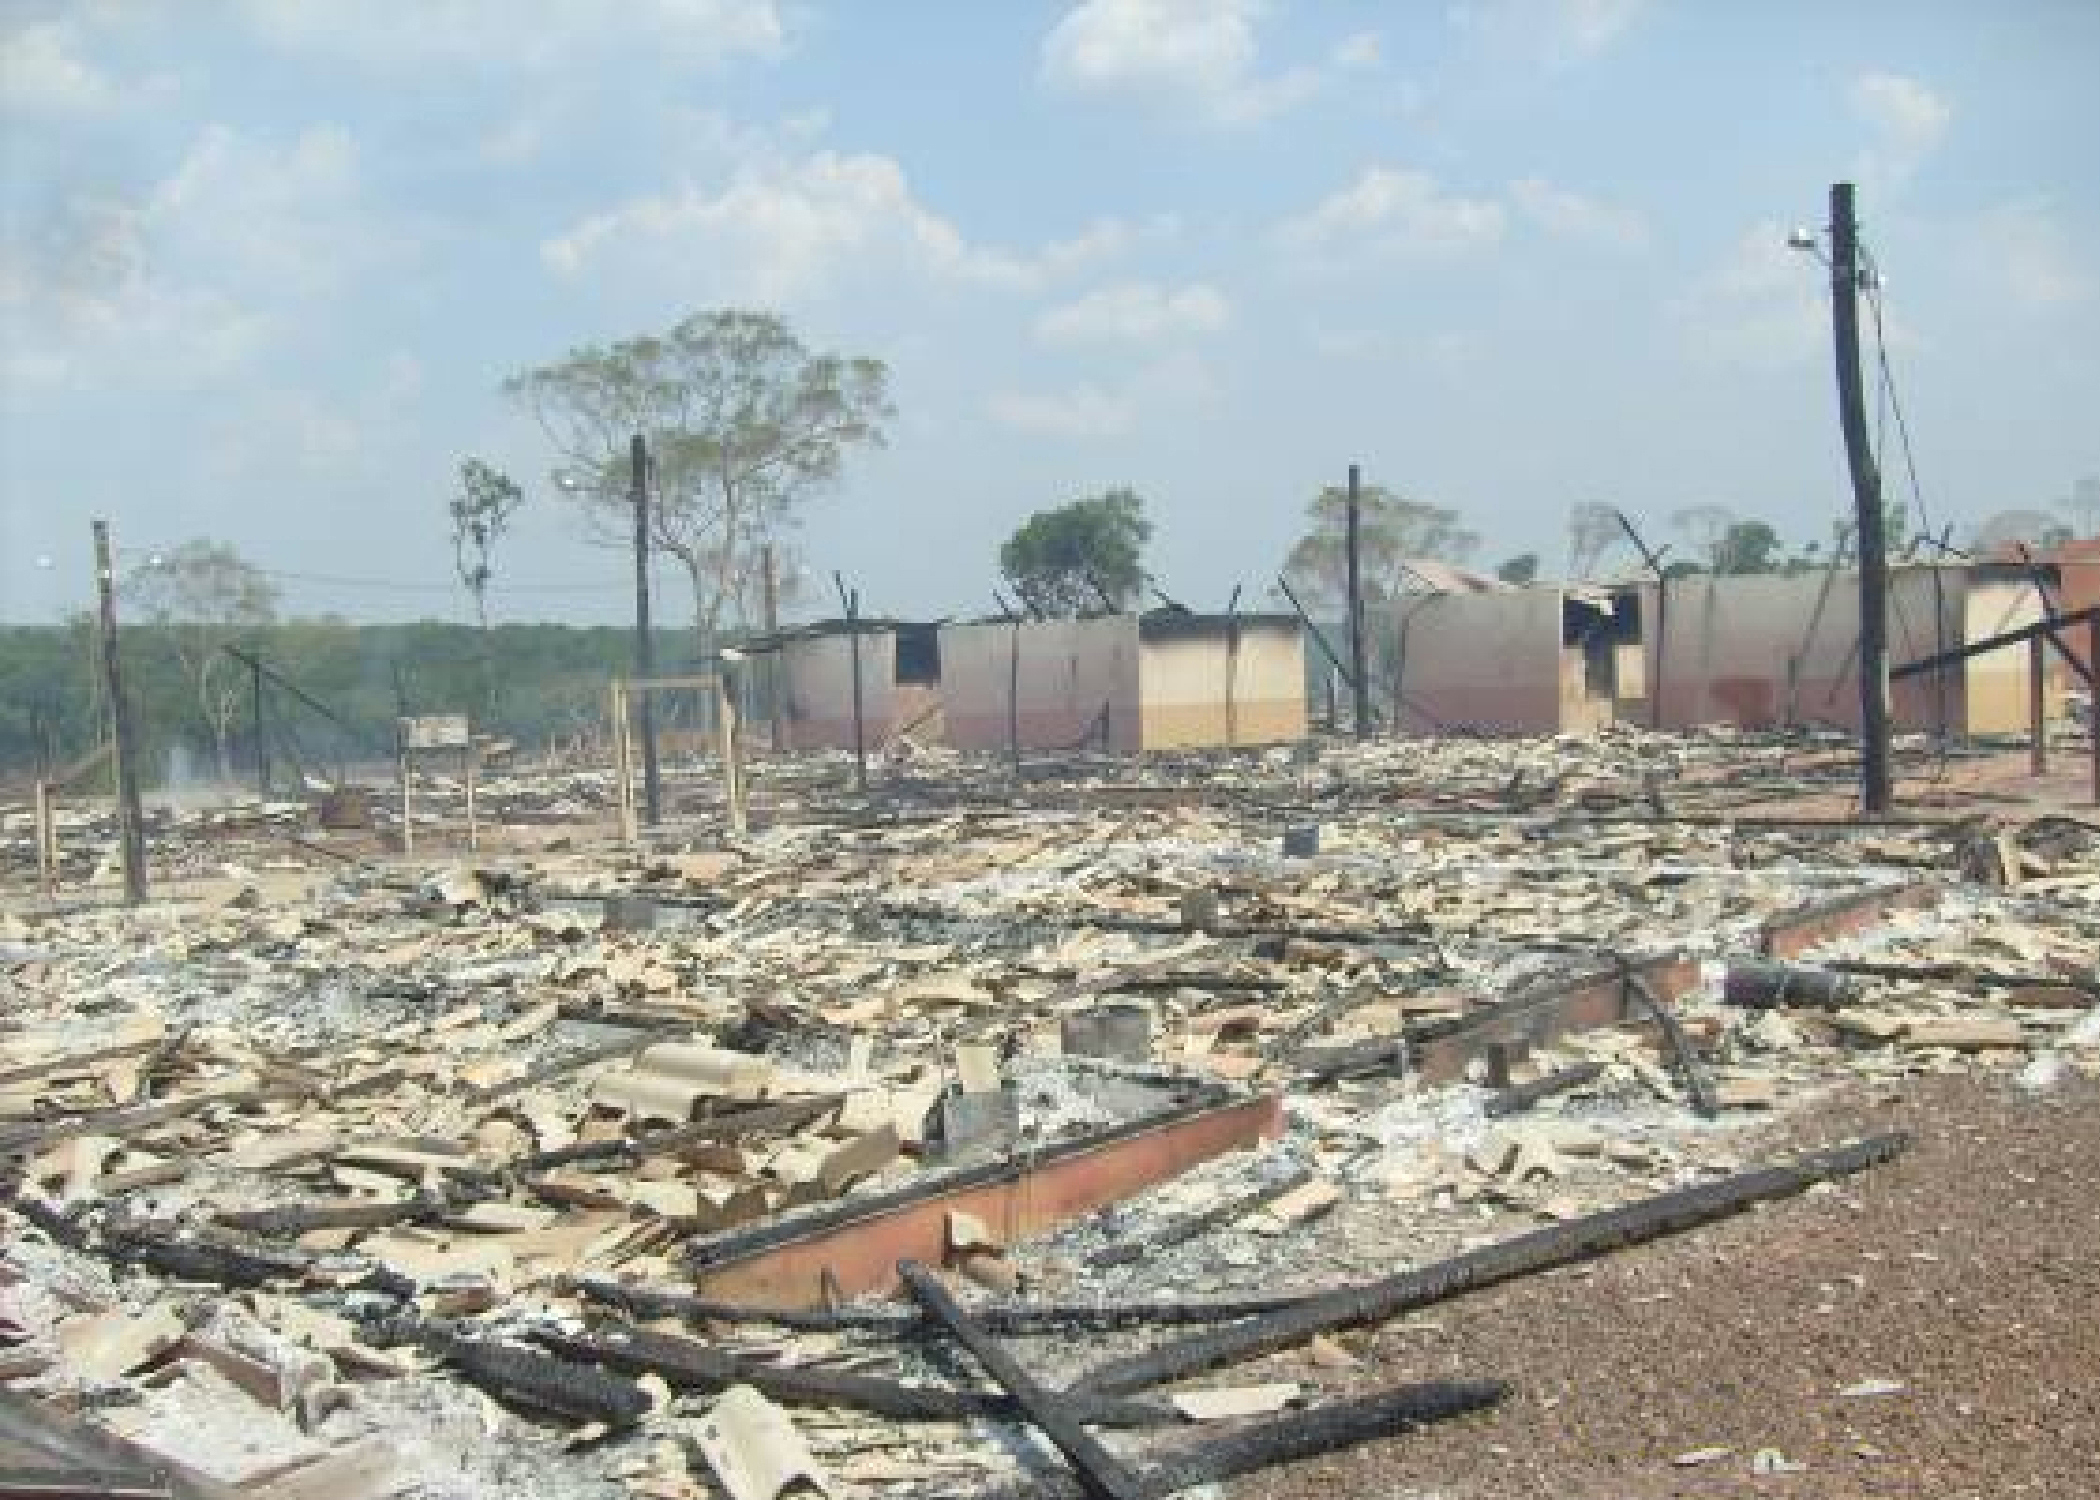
<point x="1393" y="529"/>
<point x="1521" y="569"/>
<point x="1082" y="557"/>
<point x="554" y="680"/>
<point x="1748" y="547"/>
<point x="745" y="425"/>
<point x="481" y="513"/>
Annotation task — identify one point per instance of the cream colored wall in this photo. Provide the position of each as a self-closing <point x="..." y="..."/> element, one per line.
<point x="1183" y="682"/>
<point x="1995" y="684"/>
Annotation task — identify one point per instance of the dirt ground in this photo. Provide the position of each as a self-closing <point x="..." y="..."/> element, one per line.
<point x="1968" y="1271"/>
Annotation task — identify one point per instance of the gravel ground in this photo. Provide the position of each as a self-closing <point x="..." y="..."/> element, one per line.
<point x="1968" y="1271"/>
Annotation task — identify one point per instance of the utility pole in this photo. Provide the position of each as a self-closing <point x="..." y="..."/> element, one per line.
<point x="1845" y="275"/>
<point x="774" y="684"/>
<point x="131" y="818"/>
<point x="644" y="653"/>
<point x="1359" y="678"/>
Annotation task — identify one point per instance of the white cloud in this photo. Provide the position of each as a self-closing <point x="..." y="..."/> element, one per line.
<point x="1202" y="55"/>
<point x="1763" y="305"/>
<point x="787" y="229"/>
<point x="2033" y="258"/>
<point x="42" y="73"/>
<point x="549" y="35"/>
<point x="1569" y="215"/>
<point x="1906" y="120"/>
<point x="1363" y="49"/>
<point x="1084" y="411"/>
<point x="235" y="246"/>
<point x="1559" y="33"/>
<point x="1093" y="410"/>
<point x="1393" y="211"/>
<point x="1135" y="312"/>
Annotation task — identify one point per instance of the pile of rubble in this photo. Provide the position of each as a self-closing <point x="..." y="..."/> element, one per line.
<point x="577" y="1171"/>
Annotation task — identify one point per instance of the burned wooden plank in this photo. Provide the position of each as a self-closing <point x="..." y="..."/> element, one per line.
<point x="285" y="1220"/>
<point x="1001" y="1317"/>
<point x="526" y="1377"/>
<point x="80" y="1483"/>
<point x="1542" y="1249"/>
<point x="687" y="1364"/>
<point x="727" y="1127"/>
<point x="1519" y="1097"/>
<point x="1101" y="1474"/>
<point x="1184" y="1229"/>
<point x="1322" y="1429"/>
<point x="31" y="1428"/>
<point x="1766" y="986"/>
<point x="1705" y="1102"/>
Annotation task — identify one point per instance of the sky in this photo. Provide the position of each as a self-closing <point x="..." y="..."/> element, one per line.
<point x="264" y="265"/>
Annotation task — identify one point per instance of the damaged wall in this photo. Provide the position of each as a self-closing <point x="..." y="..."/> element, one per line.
<point x="1754" y="651"/>
<point x="817" y="671"/>
<point x="1492" y="662"/>
<point x="1207" y="680"/>
<point x="1071" y="673"/>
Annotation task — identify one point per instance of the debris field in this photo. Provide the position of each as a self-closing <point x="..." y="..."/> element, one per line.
<point x="1260" y="1120"/>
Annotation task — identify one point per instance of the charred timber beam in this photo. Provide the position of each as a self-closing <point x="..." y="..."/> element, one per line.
<point x="1101" y="1474"/>
<point x="1323" y="1429"/>
<point x="524" y="1377"/>
<point x="31" y="1429"/>
<point x="1519" y="1097"/>
<point x="1705" y="1102"/>
<point x="1541" y="1250"/>
<point x="1001" y="1317"/>
<point x="1768" y="986"/>
<point x="79" y="1483"/>
<point x="728" y="1127"/>
<point x="1185" y="1229"/>
<point x="686" y="1364"/>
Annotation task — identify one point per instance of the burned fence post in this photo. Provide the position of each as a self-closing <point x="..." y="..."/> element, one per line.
<point x="644" y="648"/>
<point x="1358" y="681"/>
<point x="2037" y="710"/>
<point x="131" y="818"/>
<point x="1100" y="1472"/>
<point x="850" y="603"/>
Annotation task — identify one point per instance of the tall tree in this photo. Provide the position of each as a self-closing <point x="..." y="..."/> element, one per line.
<point x="2035" y="528"/>
<point x="1593" y="533"/>
<point x="1521" y="569"/>
<point x="1081" y="557"/>
<point x="2082" y="505"/>
<point x="203" y="597"/>
<point x="1747" y="547"/>
<point x="1704" y="530"/>
<point x="481" y="513"/>
<point x="1393" y="530"/>
<point x="745" y="423"/>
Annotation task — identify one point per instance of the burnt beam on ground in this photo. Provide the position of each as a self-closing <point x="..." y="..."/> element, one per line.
<point x="1542" y="1249"/>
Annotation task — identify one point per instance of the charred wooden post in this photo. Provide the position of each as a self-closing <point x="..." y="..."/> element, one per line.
<point x="687" y="1364"/>
<point x="1541" y="1250"/>
<point x="1322" y="1429"/>
<point x="1705" y="1102"/>
<point x="1100" y="1472"/>
<point x="524" y="1377"/>
<point x="1768" y="986"/>
<point x="1519" y="1097"/>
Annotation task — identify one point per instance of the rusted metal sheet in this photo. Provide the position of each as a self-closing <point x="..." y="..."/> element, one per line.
<point x="861" y="1252"/>
<point x="1793" y="933"/>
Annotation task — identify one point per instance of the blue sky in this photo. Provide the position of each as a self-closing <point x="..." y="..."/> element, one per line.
<point x="263" y="264"/>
